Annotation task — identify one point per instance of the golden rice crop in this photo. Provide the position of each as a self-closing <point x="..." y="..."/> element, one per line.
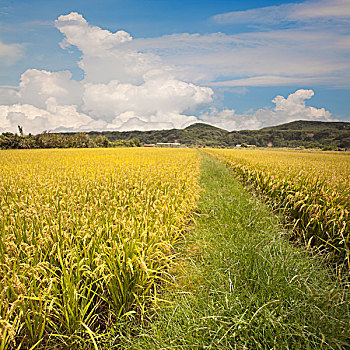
<point x="85" y="235"/>
<point x="313" y="189"/>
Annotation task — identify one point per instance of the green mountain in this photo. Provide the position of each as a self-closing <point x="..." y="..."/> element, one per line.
<point x="194" y="135"/>
<point x="294" y="134"/>
<point x="311" y="125"/>
<point x="309" y="134"/>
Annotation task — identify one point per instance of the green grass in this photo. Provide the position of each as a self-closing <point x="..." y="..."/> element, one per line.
<point x="239" y="284"/>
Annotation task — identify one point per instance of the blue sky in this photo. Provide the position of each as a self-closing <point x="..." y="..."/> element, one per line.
<point x="234" y="64"/>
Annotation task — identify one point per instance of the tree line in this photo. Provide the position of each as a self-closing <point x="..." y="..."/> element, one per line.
<point x="10" y="140"/>
<point x="307" y="134"/>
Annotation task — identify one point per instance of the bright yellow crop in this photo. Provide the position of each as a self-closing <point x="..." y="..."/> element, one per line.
<point x="313" y="188"/>
<point x="85" y="234"/>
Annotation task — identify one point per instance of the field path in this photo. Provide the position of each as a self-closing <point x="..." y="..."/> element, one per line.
<point x="239" y="284"/>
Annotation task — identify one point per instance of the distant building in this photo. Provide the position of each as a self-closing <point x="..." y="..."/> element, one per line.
<point x="238" y="145"/>
<point x="168" y="144"/>
<point x="162" y="144"/>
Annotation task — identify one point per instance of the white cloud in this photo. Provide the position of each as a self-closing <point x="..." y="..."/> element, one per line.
<point x="105" y="55"/>
<point x="264" y="15"/>
<point x="37" y="86"/>
<point x="308" y="10"/>
<point x="292" y="56"/>
<point x="122" y="89"/>
<point x="286" y="110"/>
<point x="8" y="94"/>
<point x="155" y="95"/>
<point x="130" y="121"/>
<point x="35" y="119"/>
<point x="271" y="80"/>
<point x="325" y="9"/>
<point x="153" y="83"/>
<point x="9" y="53"/>
<point x="90" y="40"/>
<point x="313" y="48"/>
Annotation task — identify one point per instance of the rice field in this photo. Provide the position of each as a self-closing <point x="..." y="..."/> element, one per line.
<point x="86" y="238"/>
<point x="311" y="188"/>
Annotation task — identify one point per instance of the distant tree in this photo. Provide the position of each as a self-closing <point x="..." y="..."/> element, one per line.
<point x="20" y="129"/>
<point x="102" y="141"/>
<point x="10" y="140"/>
<point x="82" y="140"/>
<point x="329" y="148"/>
<point x="135" y="142"/>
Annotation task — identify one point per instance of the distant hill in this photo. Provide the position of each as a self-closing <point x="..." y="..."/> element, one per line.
<point x="194" y="135"/>
<point x="310" y="134"/>
<point x="310" y="125"/>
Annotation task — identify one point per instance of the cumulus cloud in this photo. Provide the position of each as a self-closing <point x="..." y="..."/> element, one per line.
<point x="105" y="55"/>
<point x="37" y="86"/>
<point x="53" y="117"/>
<point x="122" y="89"/>
<point x="155" y="95"/>
<point x="8" y="94"/>
<point x="90" y="40"/>
<point x="286" y="110"/>
<point x="132" y="84"/>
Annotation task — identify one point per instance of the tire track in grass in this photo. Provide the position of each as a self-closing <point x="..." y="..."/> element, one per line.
<point x="240" y="285"/>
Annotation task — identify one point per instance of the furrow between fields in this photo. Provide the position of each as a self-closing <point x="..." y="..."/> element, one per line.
<point x="240" y="285"/>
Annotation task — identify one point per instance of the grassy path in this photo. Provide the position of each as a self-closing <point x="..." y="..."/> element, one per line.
<point x="240" y="285"/>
